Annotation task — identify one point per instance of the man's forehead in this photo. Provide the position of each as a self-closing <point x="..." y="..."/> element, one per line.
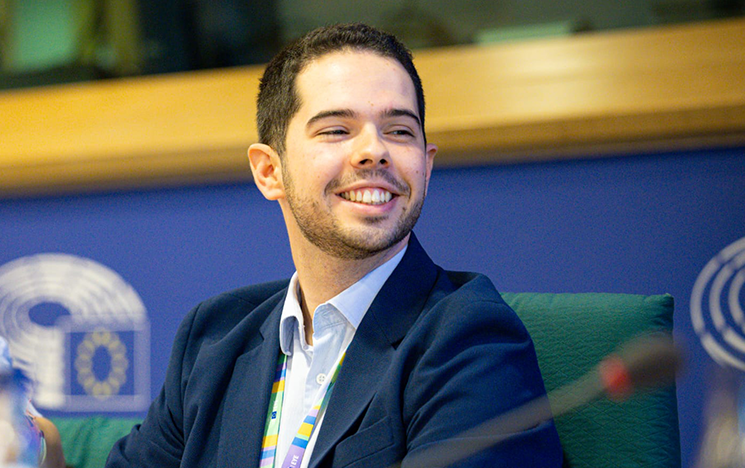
<point x="328" y="59"/>
<point x="355" y="77"/>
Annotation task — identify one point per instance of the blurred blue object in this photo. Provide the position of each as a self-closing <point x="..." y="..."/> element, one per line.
<point x="20" y="440"/>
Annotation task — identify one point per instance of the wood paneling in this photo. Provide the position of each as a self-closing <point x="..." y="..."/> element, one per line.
<point x="587" y="95"/>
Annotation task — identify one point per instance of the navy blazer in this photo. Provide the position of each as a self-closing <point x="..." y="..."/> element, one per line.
<point x="437" y="353"/>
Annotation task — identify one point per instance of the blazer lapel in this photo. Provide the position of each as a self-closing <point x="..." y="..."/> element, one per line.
<point x="392" y="313"/>
<point x="247" y="394"/>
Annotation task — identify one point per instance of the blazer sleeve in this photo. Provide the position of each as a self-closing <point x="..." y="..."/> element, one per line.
<point x="479" y="364"/>
<point x="159" y="440"/>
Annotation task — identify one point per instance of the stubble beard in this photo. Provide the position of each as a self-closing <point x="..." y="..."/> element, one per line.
<point x="321" y="229"/>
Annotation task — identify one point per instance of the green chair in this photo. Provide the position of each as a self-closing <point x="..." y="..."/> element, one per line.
<point x="87" y="442"/>
<point x="572" y="334"/>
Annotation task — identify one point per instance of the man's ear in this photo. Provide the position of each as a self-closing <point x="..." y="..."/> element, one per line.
<point x="267" y="170"/>
<point x="431" y="150"/>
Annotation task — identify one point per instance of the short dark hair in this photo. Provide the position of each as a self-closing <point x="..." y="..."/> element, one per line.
<point x="278" y="99"/>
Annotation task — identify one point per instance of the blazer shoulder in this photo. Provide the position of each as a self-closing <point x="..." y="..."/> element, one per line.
<point x="253" y="295"/>
<point x="222" y="313"/>
<point x="471" y="298"/>
<point x="473" y="287"/>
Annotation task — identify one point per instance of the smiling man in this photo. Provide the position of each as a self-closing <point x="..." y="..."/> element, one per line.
<point x="370" y="355"/>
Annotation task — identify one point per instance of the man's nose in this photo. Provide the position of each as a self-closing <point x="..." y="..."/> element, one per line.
<point x="370" y="150"/>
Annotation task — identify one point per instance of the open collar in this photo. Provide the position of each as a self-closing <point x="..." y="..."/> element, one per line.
<point x="394" y="310"/>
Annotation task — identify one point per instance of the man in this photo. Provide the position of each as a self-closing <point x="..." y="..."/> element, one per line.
<point x="371" y="355"/>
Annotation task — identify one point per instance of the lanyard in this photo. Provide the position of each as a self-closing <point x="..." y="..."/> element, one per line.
<point x="300" y="442"/>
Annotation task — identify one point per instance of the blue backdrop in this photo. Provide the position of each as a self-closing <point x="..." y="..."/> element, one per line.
<point x="643" y="224"/>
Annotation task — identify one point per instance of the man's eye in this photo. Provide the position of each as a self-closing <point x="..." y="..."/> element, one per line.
<point x="333" y="131"/>
<point x="402" y="132"/>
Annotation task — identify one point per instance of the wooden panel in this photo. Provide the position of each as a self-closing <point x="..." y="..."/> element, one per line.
<point x="642" y="86"/>
<point x="591" y="94"/>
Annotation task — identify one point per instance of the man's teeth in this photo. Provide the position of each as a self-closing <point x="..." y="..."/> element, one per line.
<point x="368" y="196"/>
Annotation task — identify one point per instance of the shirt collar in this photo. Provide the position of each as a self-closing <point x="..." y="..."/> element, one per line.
<point x="352" y="303"/>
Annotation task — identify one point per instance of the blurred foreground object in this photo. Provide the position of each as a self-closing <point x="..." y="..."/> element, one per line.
<point x="20" y="440"/>
<point x="722" y="445"/>
<point x="54" y="456"/>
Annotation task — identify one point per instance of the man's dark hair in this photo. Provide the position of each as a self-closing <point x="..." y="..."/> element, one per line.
<point x="278" y="98"/>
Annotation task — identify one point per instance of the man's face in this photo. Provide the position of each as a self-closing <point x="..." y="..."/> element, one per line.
<point x="356" y="168"/>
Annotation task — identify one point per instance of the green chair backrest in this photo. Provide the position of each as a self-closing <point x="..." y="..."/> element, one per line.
<point x="572" y="334"/>
<point x="87" y="442"/>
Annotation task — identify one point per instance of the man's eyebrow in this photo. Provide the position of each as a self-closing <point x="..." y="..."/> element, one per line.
<point x="348" y="113"/>
<point x="402" y="113"/>
<point x="344" y="113"/>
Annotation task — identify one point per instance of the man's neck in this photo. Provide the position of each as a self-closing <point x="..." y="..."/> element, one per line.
<point x="321" y="276"/>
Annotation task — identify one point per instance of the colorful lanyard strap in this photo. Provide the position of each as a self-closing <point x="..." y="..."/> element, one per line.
<point x="300" y="442"/>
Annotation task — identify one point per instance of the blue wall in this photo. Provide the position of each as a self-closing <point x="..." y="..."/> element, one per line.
<point x="642" y="224"/>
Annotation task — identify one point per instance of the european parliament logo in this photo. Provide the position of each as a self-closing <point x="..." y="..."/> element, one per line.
<point x="79" y="331"/>
<point x="717" y="306"/>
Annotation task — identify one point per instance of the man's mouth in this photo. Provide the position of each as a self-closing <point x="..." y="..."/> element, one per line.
<point x="368" y="196"/>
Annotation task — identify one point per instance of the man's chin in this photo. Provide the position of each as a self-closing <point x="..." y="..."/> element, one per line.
<point x="358" y="244"/>
<point x="374" y="241"/>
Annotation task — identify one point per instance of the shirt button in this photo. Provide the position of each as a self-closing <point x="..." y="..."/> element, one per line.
<point x="320" y="379"/>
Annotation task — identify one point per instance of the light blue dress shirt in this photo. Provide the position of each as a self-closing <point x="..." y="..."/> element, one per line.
<point x="310" y="367"/>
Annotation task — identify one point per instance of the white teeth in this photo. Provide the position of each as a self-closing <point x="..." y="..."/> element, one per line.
<point x="368" y="196"/>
